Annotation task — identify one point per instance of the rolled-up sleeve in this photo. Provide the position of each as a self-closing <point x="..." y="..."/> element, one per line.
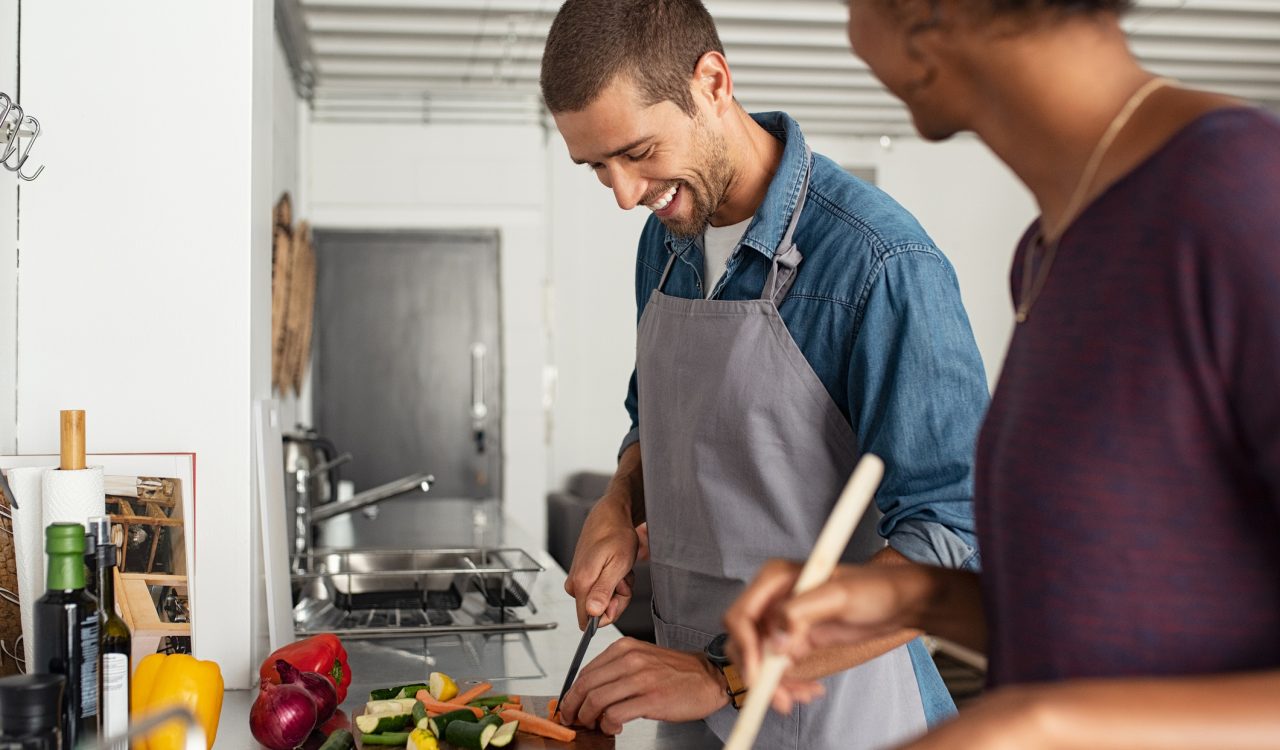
<point x="917" y="398"/>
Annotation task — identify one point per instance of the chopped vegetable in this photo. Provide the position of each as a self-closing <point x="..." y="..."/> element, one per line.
<point x="395" y="739"/>
<point x="382" y="723"/>
<point x="470" y="735"/>
<point x="471" y="694"/>
<point x="489" y="701"/>
<point x="421" y="739"/>
<point x="540" y="726"/>
<point x="434" y="705"/>
<point x="399" y="691"/>
<point x="420" y="718"/>
<point x="392" y="706"/>
<point x="553" y="708"/>
<point x="493" y="719"/>
<point x="505" y="734"/>
<point x="441" y="686"/>
<point x="440" y="724"/>
<point x="341" y="739"/>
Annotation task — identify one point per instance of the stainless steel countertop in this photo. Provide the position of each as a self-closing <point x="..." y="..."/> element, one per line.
<point x="534" y="663"/>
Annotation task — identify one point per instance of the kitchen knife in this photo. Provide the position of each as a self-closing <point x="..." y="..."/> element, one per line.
<point x="592" y="624"/>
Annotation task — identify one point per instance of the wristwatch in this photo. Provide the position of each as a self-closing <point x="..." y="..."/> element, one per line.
<point x="720" y="660"/>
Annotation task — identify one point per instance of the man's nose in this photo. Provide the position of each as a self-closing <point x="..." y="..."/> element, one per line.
<point x="627" y="190"/>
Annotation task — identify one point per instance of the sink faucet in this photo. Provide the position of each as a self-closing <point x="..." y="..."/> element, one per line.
<point x="308" y="516"/>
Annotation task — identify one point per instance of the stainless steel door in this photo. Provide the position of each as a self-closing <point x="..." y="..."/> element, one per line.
<point x="408" y="367"/>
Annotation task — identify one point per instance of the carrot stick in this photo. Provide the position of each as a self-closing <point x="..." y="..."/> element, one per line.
<point x="539" y="726"/>
<point x="463" y="699"/>
<point x="431" y="704"/>
<point x="553" y="706"/>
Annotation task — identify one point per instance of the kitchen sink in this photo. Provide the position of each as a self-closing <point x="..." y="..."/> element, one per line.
<point x="420" y="591"/>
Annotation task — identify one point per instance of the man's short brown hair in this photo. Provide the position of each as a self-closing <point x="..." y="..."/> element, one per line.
<point x="655" y="43"/>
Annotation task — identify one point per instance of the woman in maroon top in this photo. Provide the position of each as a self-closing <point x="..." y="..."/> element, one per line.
<point x="1128" y="472"/>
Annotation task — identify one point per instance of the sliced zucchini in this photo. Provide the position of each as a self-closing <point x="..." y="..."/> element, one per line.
<point x="505" y="734"/>
<point x="440" y="724"/>
<point x="467" y="735"/>
<point x="395" y="739"/>
<point x="382" y="723"/>
<point x="399" y="691"/>
<point x="419" y="714"/>
<point x="490" y="701"/>
<point x="493" y="719"/>
<point x="341" y="739"/>
<point x="390" y="706"/>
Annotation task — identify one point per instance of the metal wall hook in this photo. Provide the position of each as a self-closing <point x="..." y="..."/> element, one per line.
<point x="12" y="653"/>
<point x="11" y="132"/>
<point x="26" y="153"/>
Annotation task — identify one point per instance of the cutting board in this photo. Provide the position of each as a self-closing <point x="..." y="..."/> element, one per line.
<point x="587" y="739"/>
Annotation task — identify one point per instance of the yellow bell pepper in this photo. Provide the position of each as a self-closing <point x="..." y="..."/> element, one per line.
<point x="162" y="681"/>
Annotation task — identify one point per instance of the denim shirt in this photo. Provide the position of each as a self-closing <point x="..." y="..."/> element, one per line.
<point x="876" y="311"/>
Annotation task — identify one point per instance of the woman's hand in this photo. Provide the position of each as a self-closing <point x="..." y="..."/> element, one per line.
<point x="858" y="604"/>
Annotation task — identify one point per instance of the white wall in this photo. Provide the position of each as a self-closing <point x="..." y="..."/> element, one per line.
<point x="144" y="287"/>
<point x="9" y="240"/>
<point x="441" y="177"/>
<point x="593" y="336"/>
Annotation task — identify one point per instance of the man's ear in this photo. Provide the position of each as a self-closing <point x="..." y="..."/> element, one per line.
<point x="712" y="83"/>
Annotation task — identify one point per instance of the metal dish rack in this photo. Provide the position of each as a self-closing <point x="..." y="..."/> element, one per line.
<point x="374" y="593"/>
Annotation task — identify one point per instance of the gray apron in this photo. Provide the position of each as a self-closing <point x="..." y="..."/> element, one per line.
<point x="744" y="455"/>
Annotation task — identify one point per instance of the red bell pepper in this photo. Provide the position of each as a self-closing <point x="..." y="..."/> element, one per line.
<point x="323" y="654"/>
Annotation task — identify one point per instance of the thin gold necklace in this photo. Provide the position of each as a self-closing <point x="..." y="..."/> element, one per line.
<point x="1031" y="288"/>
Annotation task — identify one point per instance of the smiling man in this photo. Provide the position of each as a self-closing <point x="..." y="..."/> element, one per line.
<point x="792" y="318"/>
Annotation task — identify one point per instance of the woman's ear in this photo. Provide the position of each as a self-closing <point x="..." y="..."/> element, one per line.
<point x="927" y="23"/>
<point x="712" y="83"/>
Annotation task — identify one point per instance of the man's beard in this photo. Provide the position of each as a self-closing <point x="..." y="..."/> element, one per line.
<point x="709" y="182"/>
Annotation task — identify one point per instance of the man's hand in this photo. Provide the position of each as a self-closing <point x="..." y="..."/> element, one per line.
<point x="600" y="576"/>
<point x="633" y="680"/>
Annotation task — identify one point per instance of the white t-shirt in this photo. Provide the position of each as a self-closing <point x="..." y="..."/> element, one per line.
<point x="718" y="244"/>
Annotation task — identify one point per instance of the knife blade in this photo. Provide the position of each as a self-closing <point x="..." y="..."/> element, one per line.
<point x="592" y="624"/>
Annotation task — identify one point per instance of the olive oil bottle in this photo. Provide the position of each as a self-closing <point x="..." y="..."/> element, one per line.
<point x="67" y="633"/>
<point x="116" y="641"/>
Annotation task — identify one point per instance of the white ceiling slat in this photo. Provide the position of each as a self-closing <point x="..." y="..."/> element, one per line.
<point x="469" y="61"/>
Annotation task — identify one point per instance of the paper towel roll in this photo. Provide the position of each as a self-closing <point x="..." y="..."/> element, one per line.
<point x="28" y="544"/>
<point x="74" y="496"/>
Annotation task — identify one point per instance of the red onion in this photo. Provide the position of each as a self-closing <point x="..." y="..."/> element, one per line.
<point x="282" y="717"/>
<point x="321" y="690"/>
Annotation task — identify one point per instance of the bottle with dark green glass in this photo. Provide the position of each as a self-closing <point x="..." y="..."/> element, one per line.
<point x="66" y="625"/>
<point x="116" y="641"/>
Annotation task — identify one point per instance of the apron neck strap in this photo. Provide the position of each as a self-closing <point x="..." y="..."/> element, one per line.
<point x="787" y="257"/>
<point x="666" y="272"/>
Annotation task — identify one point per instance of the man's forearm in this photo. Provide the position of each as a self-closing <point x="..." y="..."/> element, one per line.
<point x="627" y="485"/>
<point x="1224" y="712"/>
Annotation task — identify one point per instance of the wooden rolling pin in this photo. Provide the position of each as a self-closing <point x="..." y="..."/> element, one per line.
<point x="822" y="561"/>
<point x="72" y="440"/>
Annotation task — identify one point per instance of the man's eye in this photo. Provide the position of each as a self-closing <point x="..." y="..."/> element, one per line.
<point x="643" y="155"/>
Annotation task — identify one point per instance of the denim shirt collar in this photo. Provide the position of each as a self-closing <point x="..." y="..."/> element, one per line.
<point x="773" y="216"/>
